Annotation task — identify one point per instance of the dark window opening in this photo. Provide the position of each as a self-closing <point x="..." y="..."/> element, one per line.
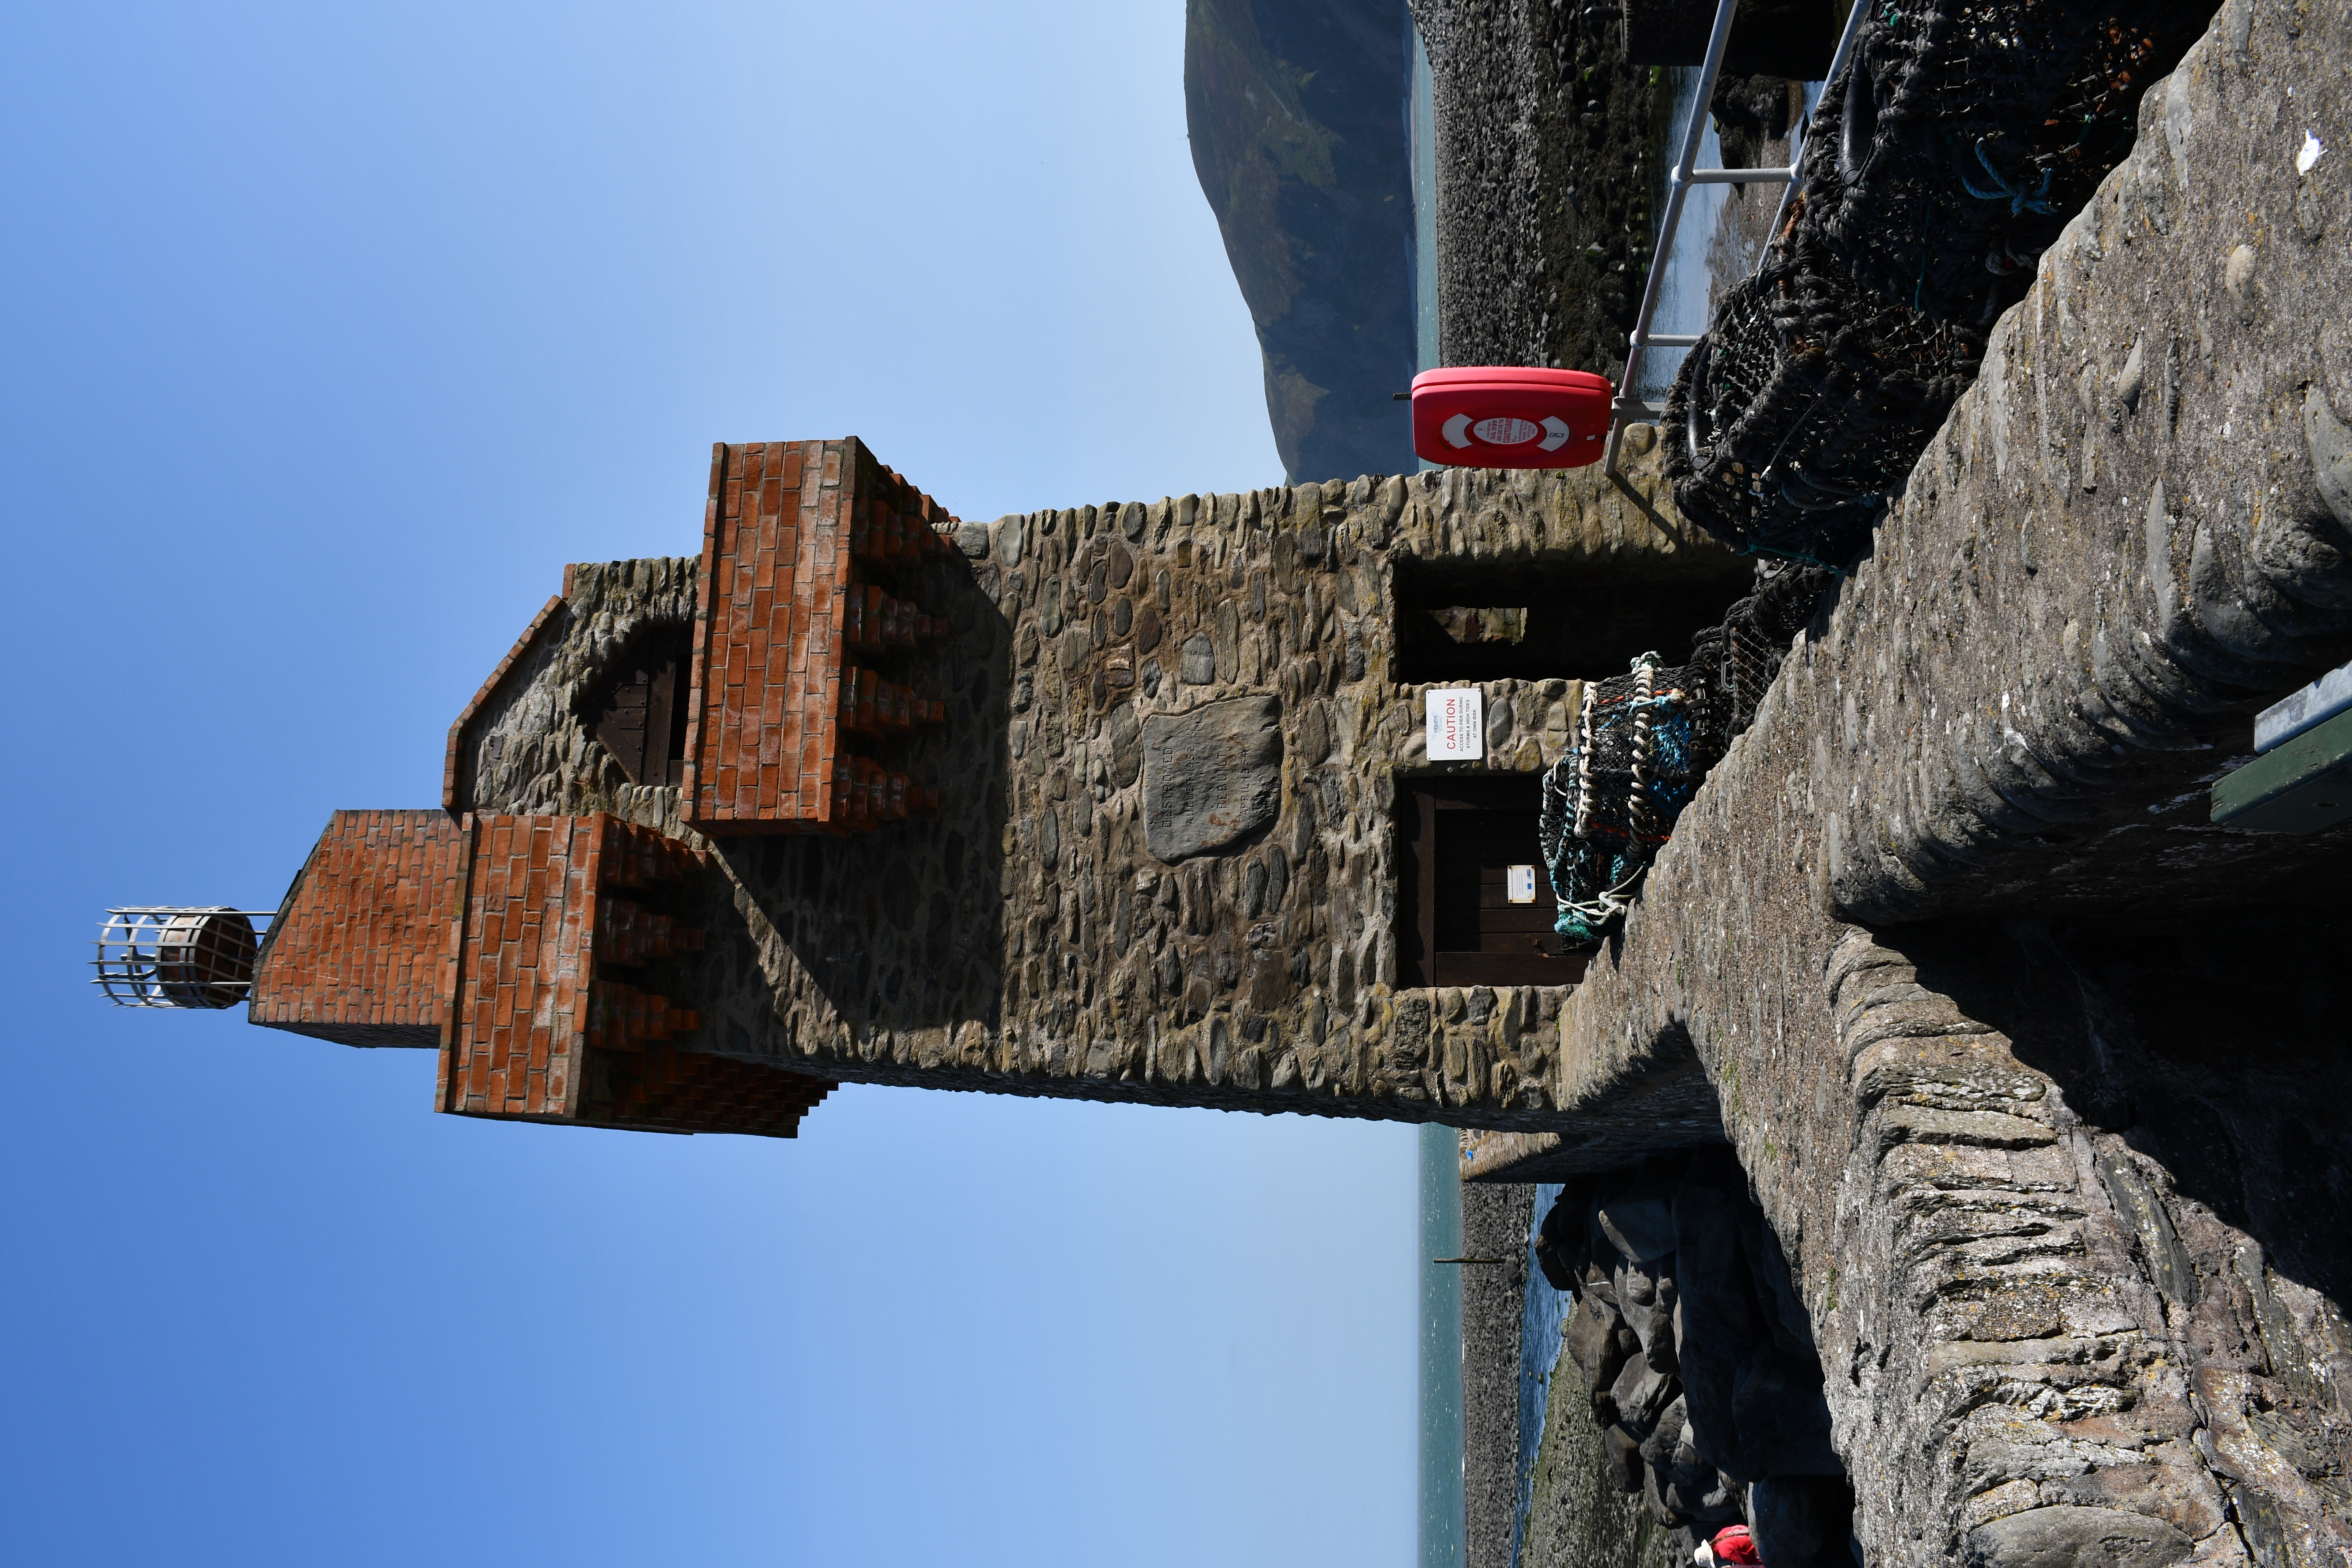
<point x="640" y="713"/>
<point x="1461" y="838"/>
<point x="1523" y="621"/>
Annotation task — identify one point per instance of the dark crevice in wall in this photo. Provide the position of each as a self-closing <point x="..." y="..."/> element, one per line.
<point x="1559" y="622"/>
<point x="1458" y="839"/>
<point x="638" y="709"/>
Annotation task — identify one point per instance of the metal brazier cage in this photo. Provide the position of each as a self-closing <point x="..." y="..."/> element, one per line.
<point x="162" y="956"/>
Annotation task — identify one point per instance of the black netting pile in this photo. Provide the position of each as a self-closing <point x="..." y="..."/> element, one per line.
<point x="1741" y="653"/>
<point x="1644" y="743"/>
<point x="1965" y="133"/>
<point x="1802" y="409"/>
<point x="1958" y="141"/>
<point x="1945" y="159"/>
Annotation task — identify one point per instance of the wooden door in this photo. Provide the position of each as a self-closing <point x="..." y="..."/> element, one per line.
<point x="642" y="720"/>
<point x="1458" y="923"/>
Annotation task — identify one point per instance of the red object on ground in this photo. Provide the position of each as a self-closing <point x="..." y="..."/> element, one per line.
<point x="1734" y="1544"/>
<point x="1494" y="416"/>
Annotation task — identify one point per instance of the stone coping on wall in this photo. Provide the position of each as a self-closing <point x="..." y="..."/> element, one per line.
<point x="2134" y="532"/>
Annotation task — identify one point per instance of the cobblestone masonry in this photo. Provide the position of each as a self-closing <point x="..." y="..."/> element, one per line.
<point x="529" y="652"/>
<point x="1026" y="939"/>
<point x="356" y="953"/>
<point x="525" y="736"/>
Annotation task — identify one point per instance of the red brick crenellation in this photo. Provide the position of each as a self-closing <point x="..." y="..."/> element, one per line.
<point x="553" y="1018"/>
<point x="358" y="951"/>
<point x="775" y="700"/>
<point x="523" y="964"/>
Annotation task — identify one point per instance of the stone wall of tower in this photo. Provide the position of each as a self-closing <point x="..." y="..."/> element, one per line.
<point x="1164" y="868"/>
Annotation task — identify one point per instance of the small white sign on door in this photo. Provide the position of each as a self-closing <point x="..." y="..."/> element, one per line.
<point x="1521" y="882"/>
<point x="1457" y="725"/>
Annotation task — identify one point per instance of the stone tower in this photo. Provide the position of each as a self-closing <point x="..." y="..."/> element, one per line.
<point x="1122" y="801"/>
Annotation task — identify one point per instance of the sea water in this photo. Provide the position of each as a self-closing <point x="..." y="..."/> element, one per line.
<point x="1685" y="301"/>
<point x="1541" y="1319"/>
<point x="1685" y="290"/>
<point x="1441" y="1514"/>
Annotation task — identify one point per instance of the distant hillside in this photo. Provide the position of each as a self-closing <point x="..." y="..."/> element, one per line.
<point x="1298" y="116"/>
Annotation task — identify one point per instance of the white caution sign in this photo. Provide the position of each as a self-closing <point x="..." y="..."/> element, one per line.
<point x="1457" y="731"/>
<point x="1520" y="884"/>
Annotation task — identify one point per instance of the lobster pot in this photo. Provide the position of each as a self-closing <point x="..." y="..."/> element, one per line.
<point x="1739" y="656"/>
<point x="167" y="957"/>
<point x="1802" y="409"/>
<point x="1963" y="134"/>
<point x="1957" y="143"/>
<point x="1644" y="743"/>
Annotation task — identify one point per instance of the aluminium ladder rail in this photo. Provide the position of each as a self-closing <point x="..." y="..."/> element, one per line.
<point x="1625" y="407"/>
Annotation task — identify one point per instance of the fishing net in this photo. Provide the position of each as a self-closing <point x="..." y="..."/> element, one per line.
<point x="1740" y="655"/>
<point x="1644" y="741"/>
<point x="1952" y="148"/>
<point x="1802" y="409"/>
<point x="1962" y="135"/>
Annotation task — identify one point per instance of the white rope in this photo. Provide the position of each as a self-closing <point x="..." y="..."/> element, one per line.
<point x="1638" y="813"/>
<point x="1584" y="762"/>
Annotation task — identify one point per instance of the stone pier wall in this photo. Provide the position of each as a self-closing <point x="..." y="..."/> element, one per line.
<point x="2039" y="1077"/>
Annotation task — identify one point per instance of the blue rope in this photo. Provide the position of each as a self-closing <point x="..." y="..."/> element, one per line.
<point x="2019" y="198"/>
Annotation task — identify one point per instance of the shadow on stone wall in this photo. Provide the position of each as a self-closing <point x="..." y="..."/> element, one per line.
<point x="2214" y="1069"/>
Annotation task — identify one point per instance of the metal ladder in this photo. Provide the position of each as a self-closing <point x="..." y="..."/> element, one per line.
<point x="1626" y="408"/>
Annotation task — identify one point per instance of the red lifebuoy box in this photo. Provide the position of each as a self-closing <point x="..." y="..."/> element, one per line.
<point x="1495" y="416"/>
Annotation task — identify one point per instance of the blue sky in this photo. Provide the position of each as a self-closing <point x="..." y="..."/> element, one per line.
<point x="330" y="335"/>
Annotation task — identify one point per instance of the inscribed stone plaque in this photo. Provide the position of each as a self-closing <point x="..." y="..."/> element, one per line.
<point x="1210" y="776"/>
